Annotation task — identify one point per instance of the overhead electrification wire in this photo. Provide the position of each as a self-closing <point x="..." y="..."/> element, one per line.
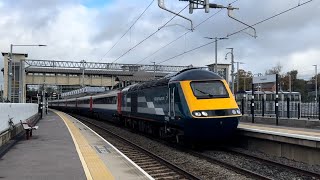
<point x="149" y="35"/>
<point x="264" y="20"/>
<point x="179" y="37"/>
<point x="271" y="17"/>
<point x="128" y="29"/>
<point x="234" y="1"/>
<point x="186" y="52"/>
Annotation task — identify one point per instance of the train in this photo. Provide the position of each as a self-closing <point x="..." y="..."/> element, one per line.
<point x="193" y="104"/>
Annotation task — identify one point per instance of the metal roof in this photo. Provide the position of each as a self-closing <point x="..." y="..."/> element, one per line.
<point x="102" y="66"/>
<point x="218" y="64"/>
<point x="77" y="71"/>
<point x="134" y="78"/>
<point x="97" y="72"/>
<point x="14" y="54"/>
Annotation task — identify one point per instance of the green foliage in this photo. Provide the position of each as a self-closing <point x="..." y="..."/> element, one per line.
<point x="245" y="80"/>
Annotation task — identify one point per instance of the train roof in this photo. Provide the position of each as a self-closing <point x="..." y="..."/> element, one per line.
<point x="195" y="74"/>
<point x="186" y="74"/>
<point x="96" y="96"/>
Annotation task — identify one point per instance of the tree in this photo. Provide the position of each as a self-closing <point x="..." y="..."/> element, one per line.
<point x="286" y="78"/>
<point x="297" y="85"/>
<point x="318" y="80"/>
<point x="245" y="80"/>
<point x="274" y="70"/>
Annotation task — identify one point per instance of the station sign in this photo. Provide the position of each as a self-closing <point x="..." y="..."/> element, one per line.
<point x="264" y="79"/>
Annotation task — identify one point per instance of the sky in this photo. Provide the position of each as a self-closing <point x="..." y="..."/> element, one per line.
<point x="86" y="30"/>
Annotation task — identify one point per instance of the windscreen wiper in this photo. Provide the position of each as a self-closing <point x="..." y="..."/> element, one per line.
<point x="211" y="95"/>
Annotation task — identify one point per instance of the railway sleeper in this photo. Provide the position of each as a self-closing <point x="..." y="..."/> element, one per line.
<point x="173" y="177"/>
<point x="159" y="175"/>
<point x="152" y="165"/>
<point x="153" y="168"/>
<point x="142" y="158"/>
<point x="141" y="161"/>
<point x="161" y="171"/>
<point x="148" y="163"/>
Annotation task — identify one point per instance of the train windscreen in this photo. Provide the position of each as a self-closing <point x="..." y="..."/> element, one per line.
<point x="209" y="89"/>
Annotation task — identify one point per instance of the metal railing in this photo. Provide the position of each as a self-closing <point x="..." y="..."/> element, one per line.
<point x="287" y="108"/>
<point x="104" y="66"/>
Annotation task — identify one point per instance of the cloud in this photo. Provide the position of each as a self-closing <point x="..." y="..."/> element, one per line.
<point x="84" y="29"/>
<point x="310" y="56"/>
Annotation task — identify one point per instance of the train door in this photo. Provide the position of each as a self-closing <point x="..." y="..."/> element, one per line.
<point x="175" y="105"/>
<point x="119" y="101"/>
<point x="134" y="102"/>
<point x="171" y="113"/>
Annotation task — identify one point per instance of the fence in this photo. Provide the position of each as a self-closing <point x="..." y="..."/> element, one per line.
<point x="286" y="108"/>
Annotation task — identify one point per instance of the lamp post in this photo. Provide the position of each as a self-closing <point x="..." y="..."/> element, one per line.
<point x="10" y="74"/>
<point x="216" y="52"/>
<point x="238" y="74"/>
<point x="232" y="68"/>
<point x="83" y="68"/>
<point x="316" y="80"/>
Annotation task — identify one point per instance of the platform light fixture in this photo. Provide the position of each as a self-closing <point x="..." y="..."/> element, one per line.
<point x="232" y="68"/>
<point x="316" y="80"/>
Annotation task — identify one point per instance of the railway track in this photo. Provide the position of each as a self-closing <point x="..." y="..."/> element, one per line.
<point x="159" y="168"/>
<point x="154" y="165"/>
<point x="147" y="163"/>
<point x="230" y="166"/>
<point x="274" y="163"/>
<point x="247" y="172"/>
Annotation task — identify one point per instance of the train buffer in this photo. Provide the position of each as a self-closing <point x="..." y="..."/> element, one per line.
<point x="28" y="127"/>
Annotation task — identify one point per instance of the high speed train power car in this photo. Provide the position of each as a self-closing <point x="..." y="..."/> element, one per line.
<point x="194" y="104"/>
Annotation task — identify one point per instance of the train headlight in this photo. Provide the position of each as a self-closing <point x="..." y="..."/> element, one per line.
<point x="234" y="111"/>
<point x="198" y="114"/>
<point x="238" y="111"/>
<point x="204" y="113"/>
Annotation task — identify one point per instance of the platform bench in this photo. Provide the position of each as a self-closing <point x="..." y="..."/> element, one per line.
<point x="28" y="128"/>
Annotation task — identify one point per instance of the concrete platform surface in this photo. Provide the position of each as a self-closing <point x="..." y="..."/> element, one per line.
<point x="48" y="154"/>
<point x="300" y="133"/>
<point x="64" y="148"/>
<point x="101" y="160"/>
<point x="298" y="144"/>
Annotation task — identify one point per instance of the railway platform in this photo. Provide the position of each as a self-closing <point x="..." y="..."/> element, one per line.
<point x="299" y="144"/>
<point x="64" y="148"/>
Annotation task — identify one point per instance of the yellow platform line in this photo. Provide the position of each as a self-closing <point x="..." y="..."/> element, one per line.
<point x="93" y="166"/>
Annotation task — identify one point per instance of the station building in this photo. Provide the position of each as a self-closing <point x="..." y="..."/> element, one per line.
<point x="66" y="76"/>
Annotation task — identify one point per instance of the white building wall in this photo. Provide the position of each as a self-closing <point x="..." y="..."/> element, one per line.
<point x="17" y="111"/>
